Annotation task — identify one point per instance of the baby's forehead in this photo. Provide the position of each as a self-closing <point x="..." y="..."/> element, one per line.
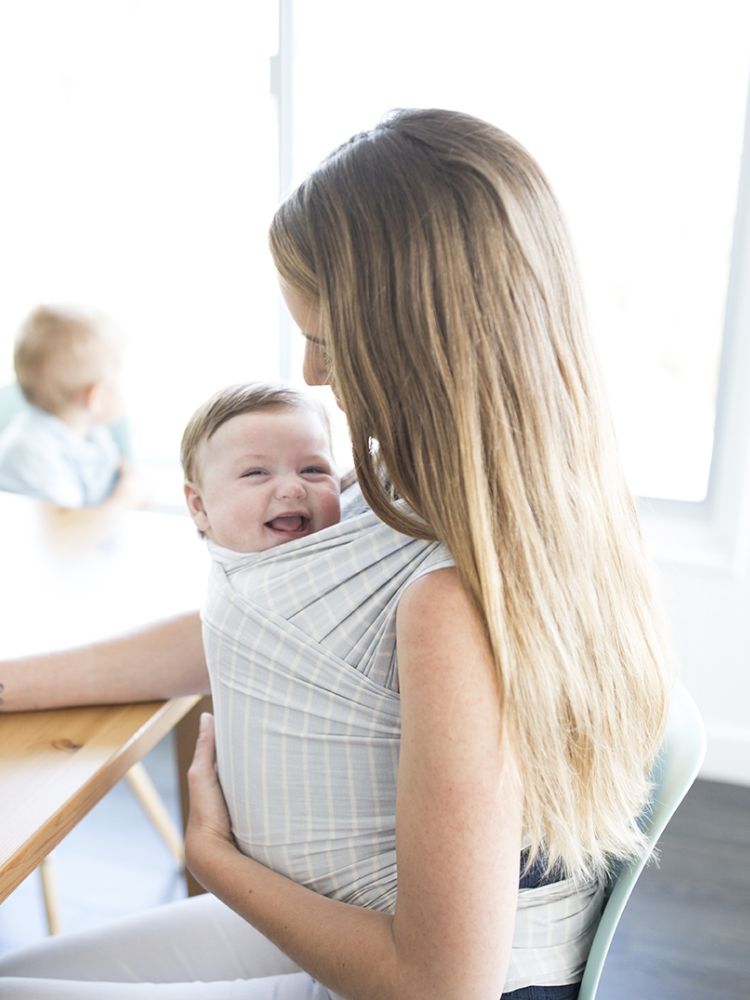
<point x="261" y="429"/>
<point x="269" y="418"/>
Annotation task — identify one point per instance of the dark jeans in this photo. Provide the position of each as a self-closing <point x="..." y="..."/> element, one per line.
<point x="531" y="880"/>
<point x="543" y="993"/>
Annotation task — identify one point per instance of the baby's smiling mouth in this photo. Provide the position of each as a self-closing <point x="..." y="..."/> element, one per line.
<point x="290" y="524"/>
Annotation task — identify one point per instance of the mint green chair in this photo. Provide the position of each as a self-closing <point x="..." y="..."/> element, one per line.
<point x="680" y="759"/>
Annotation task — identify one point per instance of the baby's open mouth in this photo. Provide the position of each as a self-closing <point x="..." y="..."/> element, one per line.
<point x="290" y="524"/>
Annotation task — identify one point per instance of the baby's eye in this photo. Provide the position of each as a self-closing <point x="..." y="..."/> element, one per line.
<point x="316" y="470"/>
<point x="251" y="473"/>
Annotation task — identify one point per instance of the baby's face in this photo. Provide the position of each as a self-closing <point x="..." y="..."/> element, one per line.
<point x="265" y="478"/>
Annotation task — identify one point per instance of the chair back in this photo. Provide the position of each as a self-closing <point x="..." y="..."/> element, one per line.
<point x="676" y="769"/>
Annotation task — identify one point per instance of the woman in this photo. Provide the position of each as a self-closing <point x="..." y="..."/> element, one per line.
<point x="427" y="265"/>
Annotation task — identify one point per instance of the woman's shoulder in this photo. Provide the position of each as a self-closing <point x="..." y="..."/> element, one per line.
<point x="434" y="597"/>
<point x="439" y="633"/>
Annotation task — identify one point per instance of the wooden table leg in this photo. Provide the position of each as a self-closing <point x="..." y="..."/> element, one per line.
<point x="49" y="891"/>
<point x="186" y="733"/>
<point x="145" y="791"/>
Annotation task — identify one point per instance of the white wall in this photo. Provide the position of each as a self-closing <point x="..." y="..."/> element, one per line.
<point x="710" y="619"/>
<point x="703" y="552"/>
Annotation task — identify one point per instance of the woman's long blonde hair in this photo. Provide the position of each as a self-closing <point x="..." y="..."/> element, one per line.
<point x="448" y="294"/>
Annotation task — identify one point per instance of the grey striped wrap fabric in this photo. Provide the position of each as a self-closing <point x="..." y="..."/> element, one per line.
<point x="301" y="646"/>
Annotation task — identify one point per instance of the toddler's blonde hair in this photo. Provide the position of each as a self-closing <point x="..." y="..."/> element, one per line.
<point x="59" y="353"/>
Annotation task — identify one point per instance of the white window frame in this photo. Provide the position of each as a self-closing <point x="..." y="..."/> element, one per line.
<point x="714" y="533"/>
<point x="282" y="69"/>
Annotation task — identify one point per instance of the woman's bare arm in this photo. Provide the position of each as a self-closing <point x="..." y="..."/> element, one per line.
<point x="161" y="660"/>
<point x="458" y="832"/>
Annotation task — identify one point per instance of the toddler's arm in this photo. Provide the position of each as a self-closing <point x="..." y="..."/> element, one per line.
<point x="130" y="490"/>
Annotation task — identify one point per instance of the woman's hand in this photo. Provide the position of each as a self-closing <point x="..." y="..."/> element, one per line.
<point x="209" y="832"/>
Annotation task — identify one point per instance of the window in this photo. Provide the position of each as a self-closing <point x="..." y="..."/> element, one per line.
<point x="139" y="175"/>
<point x="141" y="169"/>
<point x="636" y="113"/>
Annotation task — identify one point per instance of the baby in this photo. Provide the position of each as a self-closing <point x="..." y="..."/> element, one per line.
<point x="299" y="642"/>
<point x="60" y="447"/>
<point x="258" y="468"/>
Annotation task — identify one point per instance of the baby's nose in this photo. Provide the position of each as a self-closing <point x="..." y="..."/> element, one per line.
<point x="290" y="488"/>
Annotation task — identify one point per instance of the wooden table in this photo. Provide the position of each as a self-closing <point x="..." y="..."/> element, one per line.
<point x="69" y="577"/>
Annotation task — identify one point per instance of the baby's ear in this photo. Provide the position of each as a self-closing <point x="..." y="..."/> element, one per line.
<point x="195" y="507"/>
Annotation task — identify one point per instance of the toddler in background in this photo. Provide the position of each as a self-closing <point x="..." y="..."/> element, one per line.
<point x="59" y="447"/>
<point x="258" y="468"/>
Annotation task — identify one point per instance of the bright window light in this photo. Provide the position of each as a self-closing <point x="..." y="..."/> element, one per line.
<point x="139" y="176"/>
<point x="140" y="171"/>
<point x="635" y="112"/>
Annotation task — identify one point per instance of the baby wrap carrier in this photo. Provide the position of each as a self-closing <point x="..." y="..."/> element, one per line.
<point x="301" y="647"/>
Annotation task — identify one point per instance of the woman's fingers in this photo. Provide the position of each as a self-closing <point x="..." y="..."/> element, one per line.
<point x="208" y="811"/>
<point x="204" y="755"/>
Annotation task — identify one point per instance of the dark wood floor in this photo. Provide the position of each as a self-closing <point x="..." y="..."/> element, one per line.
<point x="685" y="934"/>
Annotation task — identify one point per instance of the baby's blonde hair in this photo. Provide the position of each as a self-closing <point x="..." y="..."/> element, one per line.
<point x="59" y="353"/>
<point x="449" y="300"/>
<point x="233" y="400"/>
